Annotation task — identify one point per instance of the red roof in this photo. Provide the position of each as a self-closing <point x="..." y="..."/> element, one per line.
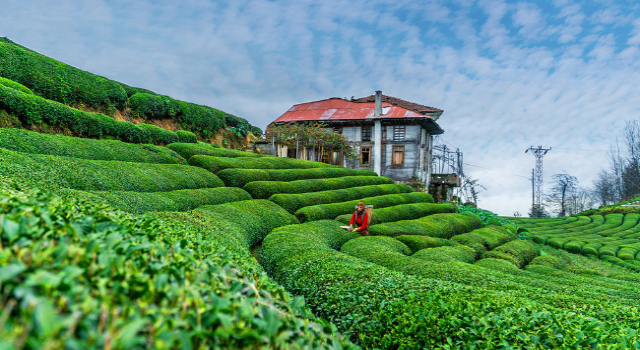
<point x="340" y="109"/>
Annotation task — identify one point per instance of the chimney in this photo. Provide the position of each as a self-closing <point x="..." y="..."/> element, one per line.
<point x="378" y="111"/>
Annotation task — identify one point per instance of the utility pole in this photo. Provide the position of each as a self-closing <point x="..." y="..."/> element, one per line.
<point x="538" y="153"/>
<point x="533" y="192"/>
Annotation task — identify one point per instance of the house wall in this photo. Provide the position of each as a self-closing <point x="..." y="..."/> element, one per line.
<point x="413" y="140"/>
<point x="411" y="145"/>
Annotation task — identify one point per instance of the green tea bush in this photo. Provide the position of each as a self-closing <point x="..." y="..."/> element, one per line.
<point x="345" y="200"/>
<point x="67" y="85"/>
<point x="609" y="250"/>
<point x="258" y="217"/>
<point x="500" y="255"/>
<point x="188" y="150"/>
<point x="180" y="200"/>
<point x="443" y="254"/>
<point x="549" y="261"/>
<point x="215" y="164"/>
<point x="100" y="175"/>
<point x="66" y="146"/>
<point x="627" y="253"/>
<point x="148" y="106"/>
<point x="158" y="135"/>
<point x="57" y="81"/>
<point x="241" y="177"/>
<point x="475" y="242"/>
<point x="416" y="243"/>
<point x="80" y="276"/>
<point x="185" y="136"/>
<point x="266" y="189"/>
<point x="202" y="119"/>
<point x="522" y="251"/>
<point x="370" y="245"/>
<point x="16" y="86"/>
<point x="35" y="110"/>
<point x="436" y="225"/>
<point x="404" y="212"/>
<point x="574" y="247"/>
<point x="381" y="300"/>
<point x="499" y="265"/>
<point x="484" y="239"/>
<point x="591" y="249"/>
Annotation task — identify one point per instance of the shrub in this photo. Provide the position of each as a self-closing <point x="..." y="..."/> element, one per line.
<point x="416" y="243"/>
<point x="215" y="164"/>
<point x="100" y="175"/>
<point x="180" y="200"/>
<point x="188" y="150"/>
<point x="436" y="225"/>
<point x="522" y="251"/>
<point x="627" y="253"/>
<point x="57" y="81"/>
<point x="202" y="119"/>
<point x="35" y="110"/>
<point x="393" y="306"/>
<point x="241" y="177"/>
<point x="591" y="249"/>
<point x="608" y="250"/>
<point x="549" y="261"/>
<point x="58" y="145"/>
<point x="155" y="281"/>
<point x="475" y="242"/>
<point x="158" y="135"/>
<point x="484" y="239"/>
<point x="185" y="136"/>
<point x="443" y="254"/>
<point x="370" y="245"/>
<point x="574" y="247"/>
<point x="293" y="202"/>
<point x="496" y="254"/>
<point x="258" y="217"/>
<point x="266" y="189"/>
<point x="404" y="212"/>
<point x="500" y="265"/>
<point x="16" y="86"/>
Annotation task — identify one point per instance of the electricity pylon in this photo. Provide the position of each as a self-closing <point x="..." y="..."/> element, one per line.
<point x="536" y="210"/>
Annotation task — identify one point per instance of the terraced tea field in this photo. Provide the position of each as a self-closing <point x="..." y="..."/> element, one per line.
<point x="132" y="246"/>
<point x="611" y="237"/>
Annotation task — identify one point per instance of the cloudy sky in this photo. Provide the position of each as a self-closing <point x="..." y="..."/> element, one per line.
<point x="509" y="74"/>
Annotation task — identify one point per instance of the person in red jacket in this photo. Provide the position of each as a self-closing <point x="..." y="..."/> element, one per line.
<point x="360" y="219"/>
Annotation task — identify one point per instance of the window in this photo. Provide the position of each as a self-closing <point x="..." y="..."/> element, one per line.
<point x="337" y="131"/>
<point x="365" y="156"/>
<point x="398" y="132"/>
<point x="366" y="134"/>
<point x="398" y="156"/>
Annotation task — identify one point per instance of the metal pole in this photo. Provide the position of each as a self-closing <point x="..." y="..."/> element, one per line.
<point x="533" y="193"/>
<point x="297" y="146"/>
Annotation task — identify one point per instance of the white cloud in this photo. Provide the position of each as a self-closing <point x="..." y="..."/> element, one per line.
<point x="256" y="58"/>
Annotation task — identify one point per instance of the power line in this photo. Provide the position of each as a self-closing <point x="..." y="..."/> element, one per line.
<point x="582" y="149"/>
<point x="481" y="167"/>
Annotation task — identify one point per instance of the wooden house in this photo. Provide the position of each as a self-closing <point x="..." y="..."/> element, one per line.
<point x="391" y="136"/>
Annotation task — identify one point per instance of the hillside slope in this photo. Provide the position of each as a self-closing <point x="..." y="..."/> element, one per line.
<point x="35" y="75"/>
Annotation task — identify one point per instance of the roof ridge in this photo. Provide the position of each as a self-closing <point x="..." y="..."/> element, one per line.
<point x="416" y="107"/>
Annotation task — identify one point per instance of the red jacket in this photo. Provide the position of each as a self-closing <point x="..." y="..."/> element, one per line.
<point x="361" y="223"/>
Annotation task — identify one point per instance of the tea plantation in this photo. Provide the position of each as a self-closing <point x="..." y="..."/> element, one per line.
<point x="106" y="244"/>
<point x="614" y="238"/>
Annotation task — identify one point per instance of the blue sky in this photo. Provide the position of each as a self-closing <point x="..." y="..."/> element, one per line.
<point x="508" y="74"/>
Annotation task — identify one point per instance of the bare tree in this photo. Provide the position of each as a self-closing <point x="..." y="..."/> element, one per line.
<point x="603" y="191"/>
<point x="564" y="188"/>
<point x="580" y="200"/>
